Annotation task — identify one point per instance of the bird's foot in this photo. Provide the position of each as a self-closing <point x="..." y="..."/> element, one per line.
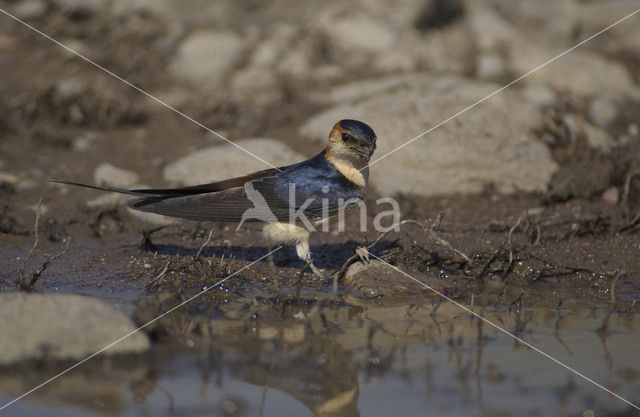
<point x="363" y="255"/>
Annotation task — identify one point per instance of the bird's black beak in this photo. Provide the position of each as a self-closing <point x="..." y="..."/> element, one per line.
<point x="364" y="154"/>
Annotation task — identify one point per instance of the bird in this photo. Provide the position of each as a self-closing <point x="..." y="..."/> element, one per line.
<point x="287" y="202"/>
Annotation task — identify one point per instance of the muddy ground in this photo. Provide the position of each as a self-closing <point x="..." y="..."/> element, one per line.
<point x="577" y="243"/>
<point x="574" y="237"/>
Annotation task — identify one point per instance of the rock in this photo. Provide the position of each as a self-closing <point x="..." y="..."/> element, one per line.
<point x="27" y="185"/>
<point x="62" y="326"/>
<point x="395" y="60"/>
<point x="357" y="32"/>
<point x="357" y="268"/>
<point x="226" y="161"/>
<point x="6" y="178"/>
<point x="266" y="53"/>
<point x="446" y="50"/>
<point x="532" y="21"/>
<point x="269" y="50"/>
<point x="254" y="80"/>
<point x="327" y="72"/>
<point x="152" y="219"/>
<point x="611" y="196"/>
<point x="30" y="9"/>
<point x="360" y="90"/>
<point x="603" y="110"/>
<point x="107" y="201"/>
<point x="360" y="275"/>
<point x="296" y="63"/>
<point x="111" y="176"/>
<point x="491" y="31"/>
<point x="83" y="142"/>
<point x="12" y="226"/>
<point x="596" y="137"/>
<point x="375" y="278"/>
<point x="69" y="89"/>
<point x="620" y="39"/>
<point x="580" y="72"/>
<point x="75" y="45"/>
<point x="582" y="179"/>
<point x="540" y="94"/>
<point x="206" y="57"/>
<point x="493" y="143"/>
<point x="489" y="66"/>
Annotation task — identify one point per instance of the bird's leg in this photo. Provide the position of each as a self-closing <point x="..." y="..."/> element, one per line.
<point x="302" y="249"/>
<point x="272" y="264"/>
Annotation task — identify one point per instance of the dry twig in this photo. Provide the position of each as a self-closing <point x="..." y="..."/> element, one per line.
<point x="204" y="245"/>
<point x="23" y="284"/>
<point x="162" y="272"/>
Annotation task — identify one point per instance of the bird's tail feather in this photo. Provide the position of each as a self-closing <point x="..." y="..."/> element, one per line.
<point x="137" y="193"/>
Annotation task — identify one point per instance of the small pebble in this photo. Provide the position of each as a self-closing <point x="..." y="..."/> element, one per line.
<point x="603" y="111"/>
<point x="540" y="94"/>
<point x="611" y="196"/>
<point x="489" y="65"/>
<point x="230" y="408"/>
<point x="7" y="178"/>
<point x="109" y="175"/>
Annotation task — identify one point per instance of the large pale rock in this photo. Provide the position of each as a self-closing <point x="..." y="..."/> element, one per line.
<point x="205" y="58"/>
<point x="226" y="161"/>
<point x="531" y="20"/>
<point x="492" y="143"/>
<point x="62" y="326"/>
<point x="446" y="50"/>
<point x="357" y="32"/>
<point x="579" y="72"/>
<point x="30" y="9"/>
<point x="277" y="41"/>
<point x="623" y="38"/>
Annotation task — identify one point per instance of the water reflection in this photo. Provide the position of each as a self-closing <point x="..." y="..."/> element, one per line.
<point x="351" y="357"/>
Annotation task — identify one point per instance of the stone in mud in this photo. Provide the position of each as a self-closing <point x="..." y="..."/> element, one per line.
<point x="62" y="327"/>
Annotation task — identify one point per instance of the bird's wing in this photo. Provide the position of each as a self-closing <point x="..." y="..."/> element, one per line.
<point x="230" y="205"/>
<point x="262" y="195"/>
<point x="264" y="199"/>
<point x="181" y="191"/>
<point x="221" y="206"/>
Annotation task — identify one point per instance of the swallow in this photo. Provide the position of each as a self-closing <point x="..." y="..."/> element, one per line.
<point x="287" y="202"/>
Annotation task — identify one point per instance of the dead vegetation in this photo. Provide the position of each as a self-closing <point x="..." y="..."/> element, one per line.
<point x="27" y="281"/>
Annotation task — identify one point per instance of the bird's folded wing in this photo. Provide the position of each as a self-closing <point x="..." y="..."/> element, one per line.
<point x="223" y="206"/>
<point x="181" y="191"/>
<point x="267" y="200"/>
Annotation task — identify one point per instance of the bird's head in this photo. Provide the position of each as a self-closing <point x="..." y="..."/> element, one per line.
<point x="351" y="141"/>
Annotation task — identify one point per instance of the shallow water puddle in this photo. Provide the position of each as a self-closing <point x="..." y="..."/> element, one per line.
<point x="359" y="358"/>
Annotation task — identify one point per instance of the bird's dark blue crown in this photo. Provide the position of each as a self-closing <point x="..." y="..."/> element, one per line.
<point x="358" y="129"/>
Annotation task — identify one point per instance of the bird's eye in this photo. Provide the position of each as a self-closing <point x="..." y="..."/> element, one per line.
<point x="345" y="137"/>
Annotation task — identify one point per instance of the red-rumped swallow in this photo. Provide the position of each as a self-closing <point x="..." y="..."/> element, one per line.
<point x="288" y="201"/>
